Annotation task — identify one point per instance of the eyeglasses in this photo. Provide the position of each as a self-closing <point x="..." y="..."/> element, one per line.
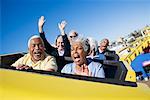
<point x="72" y="36"/>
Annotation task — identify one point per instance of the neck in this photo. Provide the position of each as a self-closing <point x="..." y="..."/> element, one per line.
<point x="101" y="50"/>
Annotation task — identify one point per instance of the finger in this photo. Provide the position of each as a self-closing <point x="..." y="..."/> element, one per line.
<point x="90" y="73"/>
<point x="44" y="20"/>
<point x="19" y="66"/>
<point x="27" y="67"/>
<point x="23" y="67"/>
<point x="50" y="69"/>
<point x="86" y="70"/>
<point x="42" y="17"/>
<point x="85" y="74"/>
<point x="82" y="68"/>
<point x="85" y="66"/>
<point x="64" y="22"/>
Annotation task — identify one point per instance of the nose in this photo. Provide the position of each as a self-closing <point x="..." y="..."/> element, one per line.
<point x="75" y="50"/>
<point x="36" y="47"/>
<point x="62" y="43"/>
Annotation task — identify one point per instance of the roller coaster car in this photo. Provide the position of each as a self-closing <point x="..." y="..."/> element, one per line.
<point x="44" y="85"/>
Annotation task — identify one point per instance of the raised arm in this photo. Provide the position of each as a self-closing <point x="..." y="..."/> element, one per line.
<point x="49" y="49"/>
<point x="41" y="24"/>
<point x="61" y="27"/>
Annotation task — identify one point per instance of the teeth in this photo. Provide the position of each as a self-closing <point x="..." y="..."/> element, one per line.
<point x="76" y="56"/>
<point x="37" y="52"/>
<point x="77" y="59"/>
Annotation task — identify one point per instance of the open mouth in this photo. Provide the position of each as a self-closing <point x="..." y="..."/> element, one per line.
<point x="37" y="53"/>
<point x="76" y="57"/>
<point x="61" y="47"/>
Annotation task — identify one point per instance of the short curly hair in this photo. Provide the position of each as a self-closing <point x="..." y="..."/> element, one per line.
<point x="83" y="41"/>
<point x="34" y="37"/>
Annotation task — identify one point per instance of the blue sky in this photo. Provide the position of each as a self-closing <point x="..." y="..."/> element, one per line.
<point x="97" y="18"/>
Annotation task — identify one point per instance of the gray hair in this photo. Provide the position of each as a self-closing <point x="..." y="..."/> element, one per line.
<point x="104" y="40"/>
<point x="34" y="37"/>
<point x="93" y="44"/>
<point x="83" y="41"/>
<point x="73" y="31"/>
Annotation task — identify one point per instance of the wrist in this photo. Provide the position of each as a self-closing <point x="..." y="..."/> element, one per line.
<point x="62" y="32"/>
<point x="40" y="30"/>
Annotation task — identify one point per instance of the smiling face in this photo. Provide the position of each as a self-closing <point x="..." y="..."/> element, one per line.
<point x="36" y="49"/>
<point x="104" y="44"/>
<point x="78" y="54"/>
<point x="60" y="43"/>
<point x="72" y="35"/>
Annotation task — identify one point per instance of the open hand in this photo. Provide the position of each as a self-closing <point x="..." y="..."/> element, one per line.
<point x="41" y="23"/>
<point x="83" y="71"/>
<point x="62" y="25"/>
<point x="21" y="67"/>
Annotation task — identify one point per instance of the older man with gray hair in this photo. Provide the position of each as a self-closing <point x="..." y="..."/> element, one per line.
<point x="36" y="58"/>
<point x="103" y="50"/>
<point x="72" y="35"/>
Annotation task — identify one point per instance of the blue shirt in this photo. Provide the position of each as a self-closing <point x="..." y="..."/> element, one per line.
<point x="95" y="68"/>
<point x="137" y="63"/>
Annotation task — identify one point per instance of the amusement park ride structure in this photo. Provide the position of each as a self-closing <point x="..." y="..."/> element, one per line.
<point x="43" y="85"/>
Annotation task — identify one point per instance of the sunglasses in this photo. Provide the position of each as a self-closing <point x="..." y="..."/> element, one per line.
<point x="72" y="36"/>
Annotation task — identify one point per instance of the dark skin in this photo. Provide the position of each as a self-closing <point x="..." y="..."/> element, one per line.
<point x="103" y="45"/>
<point x="22" y="67"/>
<point x="36" y="50"/>
<point x="79" y="57"/>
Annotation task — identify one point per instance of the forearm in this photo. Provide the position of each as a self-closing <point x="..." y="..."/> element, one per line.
<point x="40" y="29"/>
<point x="66" y="42"/>
<point x="62" y="32"/>
<point x="48" y="46"/>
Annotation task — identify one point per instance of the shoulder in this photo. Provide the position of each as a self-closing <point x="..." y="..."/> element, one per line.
<point x="67" y="68"/>
<point x="50" y="62"/>
<point x="49" y="57"/>
<point x="25" y="57"/>
<point x="95" y="65"/>
<point x="110" y="51"/>
<point x="22" y="60"/>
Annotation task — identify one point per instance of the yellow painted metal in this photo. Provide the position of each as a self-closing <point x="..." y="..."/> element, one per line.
<point x="17" y="85"/>
<point x="135" y="49"/>
<point x="130" y="76"/>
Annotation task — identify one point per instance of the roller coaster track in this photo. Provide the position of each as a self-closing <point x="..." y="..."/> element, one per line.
<point x="129" y="53"/>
